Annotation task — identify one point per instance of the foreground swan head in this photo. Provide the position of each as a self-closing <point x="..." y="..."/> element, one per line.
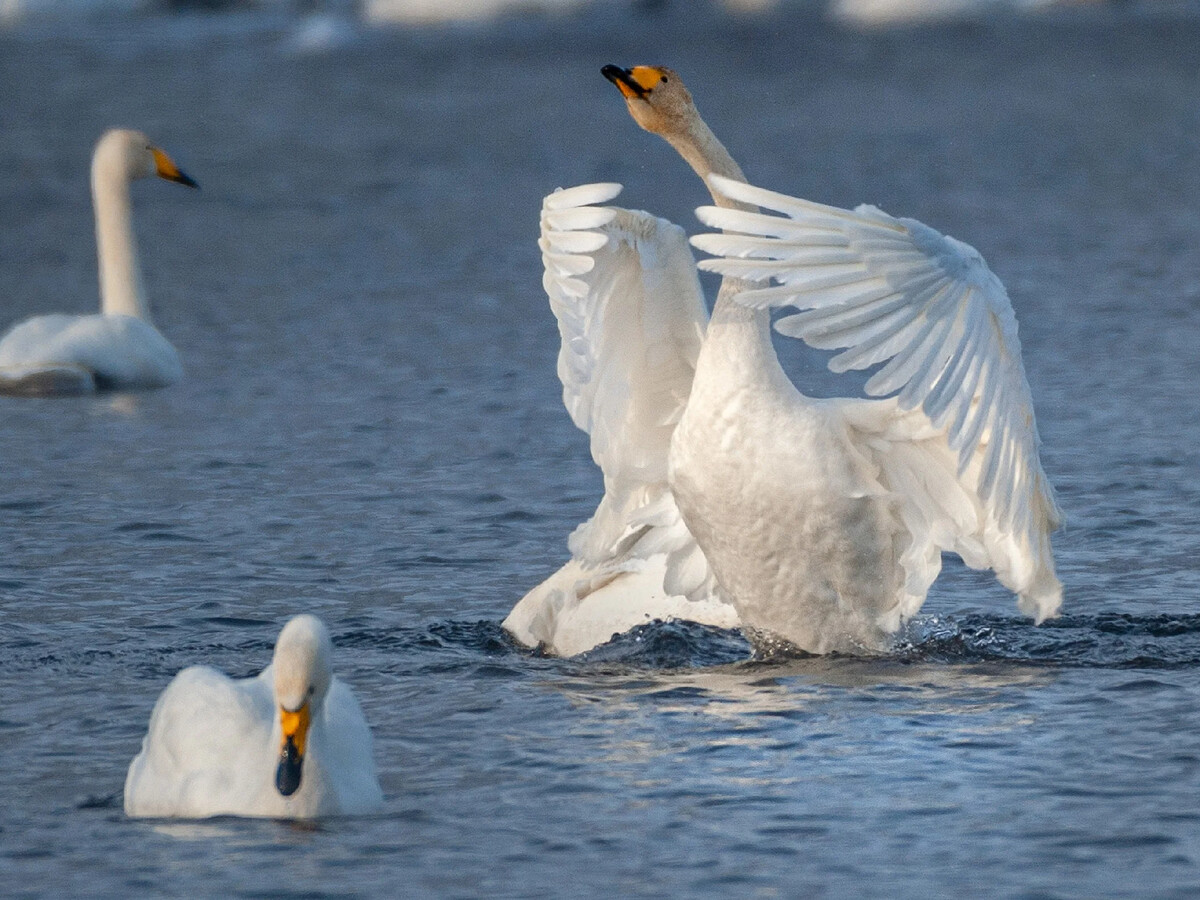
<point x="302" y="678"/>
<point x="659" y="103"/>
<point x="656" y="97"/>
<point x="291" y="742"/>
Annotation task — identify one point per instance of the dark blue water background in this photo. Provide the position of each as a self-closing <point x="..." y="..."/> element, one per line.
<point x="371" y="430"/>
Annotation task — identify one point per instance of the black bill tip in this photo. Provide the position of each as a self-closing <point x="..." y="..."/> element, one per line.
<point x="614" y="73"/>
<point x="287" y="775"/>
<point x="184" y="179"/>
<point x="623" y="79"/>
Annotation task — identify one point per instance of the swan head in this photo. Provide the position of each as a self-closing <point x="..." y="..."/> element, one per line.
<point x="303" y="671"/>
<point x="656" y="98"/>
<point x="130" y="155"/>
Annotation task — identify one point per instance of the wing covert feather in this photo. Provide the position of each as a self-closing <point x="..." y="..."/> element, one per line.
<point x="631" y="315"/>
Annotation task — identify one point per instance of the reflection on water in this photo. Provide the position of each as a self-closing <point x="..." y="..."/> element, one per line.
<point x="761" y="709"/>
<point x="196" y="831"/>
<point x="124" y="404"/>
<point x="232" y="833"/>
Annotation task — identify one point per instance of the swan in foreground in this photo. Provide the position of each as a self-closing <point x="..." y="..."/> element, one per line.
<point x="288" y="743"/>
<point x="119" y="347"/>
<point x="822" y="521"/>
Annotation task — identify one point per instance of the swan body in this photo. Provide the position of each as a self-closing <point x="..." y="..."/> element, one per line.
<point x="119" y="348"/>
<point x="822" y="522"/>
<point x="883" y="486"/>
<point x="290" y="742"/>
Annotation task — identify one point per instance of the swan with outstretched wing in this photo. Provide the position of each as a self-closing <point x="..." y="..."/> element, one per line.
<point x="820" y="521"/>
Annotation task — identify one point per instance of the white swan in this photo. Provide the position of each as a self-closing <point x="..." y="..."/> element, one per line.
<point x="119" y="347"/>
<point x="289" y="743"/>
<point x="821" y="521"/>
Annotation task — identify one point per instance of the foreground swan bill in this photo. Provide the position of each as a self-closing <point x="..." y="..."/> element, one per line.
<point x="119" y="348"/>
<point x="821" y="521"/>
<point x="289" y="743"/>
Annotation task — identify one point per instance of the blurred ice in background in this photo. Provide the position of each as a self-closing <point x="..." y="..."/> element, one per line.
<point x="329" y="18"/>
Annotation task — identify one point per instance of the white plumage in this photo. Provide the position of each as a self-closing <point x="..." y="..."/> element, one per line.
<point x="821" y="522"/>
<point x="630" y="311"/>
<point x="895" y="292"/>
<point x="219" y="746"/>
<point x="64" y="354"/>
<point x="119" y="348"/>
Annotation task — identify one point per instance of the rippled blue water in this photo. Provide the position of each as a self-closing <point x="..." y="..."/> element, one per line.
<point x="371" y="430"/>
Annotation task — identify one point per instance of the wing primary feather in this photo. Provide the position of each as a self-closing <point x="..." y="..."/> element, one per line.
<point x="949" y="384"/>
<point x="871" y="349"/>
<point x="830" y="320"/>
<point x="582" y="195"/>
<point x="792" y="206"/>
<point x="752" y="223"/>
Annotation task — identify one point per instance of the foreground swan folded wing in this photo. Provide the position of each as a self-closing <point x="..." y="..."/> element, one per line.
<point x="823" y="521"/>
<point x="894" y="291"/>
<point x="119" y="347"/>
<point x="288" y="743"/>
<point x="623" y="287"/>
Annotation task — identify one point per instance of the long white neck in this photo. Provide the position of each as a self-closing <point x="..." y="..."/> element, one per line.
<point x="121" y="290"/>
<point x="738" y="335"/>
<point x="703" y="152"/>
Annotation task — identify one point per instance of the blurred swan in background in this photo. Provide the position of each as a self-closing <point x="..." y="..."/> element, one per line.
<point x="118" y="348"/>
<point x="821" y="521"/>
<point x="291" y="742"/>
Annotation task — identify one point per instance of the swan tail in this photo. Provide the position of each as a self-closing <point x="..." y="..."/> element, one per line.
<point x="63" y="380"/>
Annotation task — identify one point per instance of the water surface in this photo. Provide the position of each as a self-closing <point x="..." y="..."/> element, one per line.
<point x="371" y="430"/>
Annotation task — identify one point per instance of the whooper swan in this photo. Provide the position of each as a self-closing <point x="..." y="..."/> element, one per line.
<point x="822" y="521"/>
<point x="290" y="743"/>
<point x="117" y="348"/>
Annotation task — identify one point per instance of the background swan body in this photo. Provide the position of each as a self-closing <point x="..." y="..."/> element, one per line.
<point x="624" y="290"/>
<point x="823" y="521"/>
<point x="291" y="742"/>
<point x="119" y="348"/>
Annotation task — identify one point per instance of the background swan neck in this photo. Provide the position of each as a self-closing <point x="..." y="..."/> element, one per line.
<point x="121" y="289"/>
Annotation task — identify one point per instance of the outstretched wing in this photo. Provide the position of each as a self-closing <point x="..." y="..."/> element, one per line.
<point x="895" y="292"/>
<point x="624" y="289"/>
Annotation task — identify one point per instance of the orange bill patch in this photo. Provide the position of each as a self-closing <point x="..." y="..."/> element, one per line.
<point x="295" y="727"/>
<point x="165" y="167"/>
<point x="647" y="77"/>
